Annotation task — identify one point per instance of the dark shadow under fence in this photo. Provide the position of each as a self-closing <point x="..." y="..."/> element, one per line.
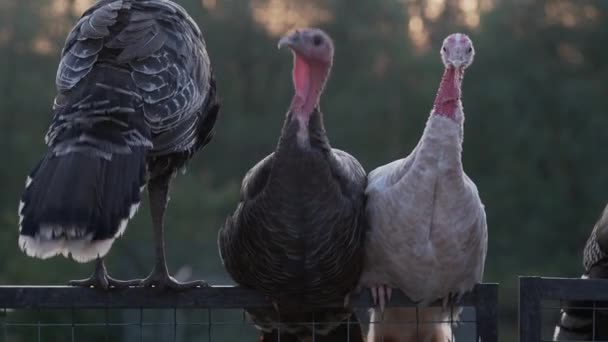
<point x="59" y="313"/>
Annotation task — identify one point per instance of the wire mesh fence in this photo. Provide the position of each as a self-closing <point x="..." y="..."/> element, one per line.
<point x="57" y="314"/>
<point x="544" y="301"/>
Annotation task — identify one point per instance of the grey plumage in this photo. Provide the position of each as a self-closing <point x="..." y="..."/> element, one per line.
<point x="135" y="99"/>
<point x="159" y="53"/>
<point x="576" y="320"/>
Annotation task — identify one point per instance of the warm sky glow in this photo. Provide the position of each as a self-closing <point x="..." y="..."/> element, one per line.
<point x="433" y="9"/>
<point x="209" y="4"/>
<point x="80" y="6"/>
<point x="280" y="16"/>
<point x="416" y="28"/>
<point x="5" y="35"/>
<point x="420" y="18"/>
<point x="568" y="15"/>
<point x="417" y="32"/>
<point x="59" y="7"/>
<point x="570" y="54"/>
<point x="43" y="46"/>
<point x="471" y="12"/>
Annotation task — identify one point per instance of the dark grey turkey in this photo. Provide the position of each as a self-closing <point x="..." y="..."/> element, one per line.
<point x="297" y="233"/>
<point x="576" y="323"/>
<point x="136" y="99"/>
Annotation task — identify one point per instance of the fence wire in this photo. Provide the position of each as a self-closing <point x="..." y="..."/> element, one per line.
<point x="574" y="321"/>
<point x="57" y="314"/>
<point x="561" y="309"/>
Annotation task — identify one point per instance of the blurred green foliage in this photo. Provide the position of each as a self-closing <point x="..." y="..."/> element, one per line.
<point x="535" y="103"/>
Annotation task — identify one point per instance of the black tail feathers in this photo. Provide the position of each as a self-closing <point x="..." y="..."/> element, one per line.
<point x="77" y="204"/>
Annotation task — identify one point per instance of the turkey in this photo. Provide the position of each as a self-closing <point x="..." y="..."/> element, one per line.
<point x="428" y="231"/>
<point x="136" y="98"/>
<point x="297" y="234"/>
<point x="576" y="324"/>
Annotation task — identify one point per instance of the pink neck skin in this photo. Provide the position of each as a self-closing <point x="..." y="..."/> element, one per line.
<point x="446" y="101"/>
<point x="308" y="80"/>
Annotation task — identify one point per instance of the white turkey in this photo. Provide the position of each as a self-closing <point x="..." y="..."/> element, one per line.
<point x="428" y="234"/>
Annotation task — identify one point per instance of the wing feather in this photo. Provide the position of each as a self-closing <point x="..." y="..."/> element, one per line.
<point x="169" y="80"/>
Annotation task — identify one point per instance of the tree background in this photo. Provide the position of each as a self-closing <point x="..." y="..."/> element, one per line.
<point x="535" y="104"/>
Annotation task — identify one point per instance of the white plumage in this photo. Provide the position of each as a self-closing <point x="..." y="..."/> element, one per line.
<point x="428" y="232"/>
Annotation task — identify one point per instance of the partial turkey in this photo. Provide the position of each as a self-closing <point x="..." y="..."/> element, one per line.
<point x="428" y="232"/>
<point x="297" y="234"/>
<point x="576" y="323"/>
<point x="136" y="99"/>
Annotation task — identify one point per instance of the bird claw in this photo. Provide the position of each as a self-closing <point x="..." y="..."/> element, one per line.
<point x="91" y="282"/>
<point x="381" y="295"/>
<point x="163" y="281"/>
<point x="101" y="280"/>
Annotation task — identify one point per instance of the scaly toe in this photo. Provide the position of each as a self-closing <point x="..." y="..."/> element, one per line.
<point x="373" y="290"/>
<point x="164" y="282"/>
<point x="381" y="297"/>
<point x="91" y="283"/>
<point x="121" y="284"/>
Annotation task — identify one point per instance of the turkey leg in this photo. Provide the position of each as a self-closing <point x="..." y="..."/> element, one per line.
<point x="158" y="191"/>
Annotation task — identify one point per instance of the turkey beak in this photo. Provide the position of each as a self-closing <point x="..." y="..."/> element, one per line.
<point x="290" y="40"/>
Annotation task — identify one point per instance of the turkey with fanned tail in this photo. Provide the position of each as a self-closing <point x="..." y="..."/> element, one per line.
<point x="136" y="99"/>
<point x="297" y="233"/>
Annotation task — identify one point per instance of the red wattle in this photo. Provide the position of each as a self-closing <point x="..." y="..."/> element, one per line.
<point x="301" y="77"/>
<point x="448" y="94"/>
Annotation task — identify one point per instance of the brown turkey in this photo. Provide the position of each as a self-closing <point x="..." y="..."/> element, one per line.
<point x="297" y="233"/>
<point x="428" y="232"/>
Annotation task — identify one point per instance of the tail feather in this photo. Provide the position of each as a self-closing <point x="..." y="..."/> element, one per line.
<point x="77" y="204"/>
<point x="405" y="325"/>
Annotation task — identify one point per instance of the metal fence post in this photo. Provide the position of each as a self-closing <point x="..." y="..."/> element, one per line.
<point x="486" y="308"/>
<point x="529" y="309"/>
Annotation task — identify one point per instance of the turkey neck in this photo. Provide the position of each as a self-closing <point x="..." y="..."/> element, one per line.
<point x="448" y="96"/>
<point x="297" y="138"/>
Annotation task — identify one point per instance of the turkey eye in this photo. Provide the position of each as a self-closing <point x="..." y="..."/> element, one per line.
<point x="444" y="49"/>
<point x="470" y="50"/>
<point x="317" y="40"/>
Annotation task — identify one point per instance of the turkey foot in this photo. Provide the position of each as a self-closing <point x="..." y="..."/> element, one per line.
<point x="160" y="279"/>
<point x="101" y="280"/>
<point x="158" y="190"/>
<point x="381" y="295"/>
